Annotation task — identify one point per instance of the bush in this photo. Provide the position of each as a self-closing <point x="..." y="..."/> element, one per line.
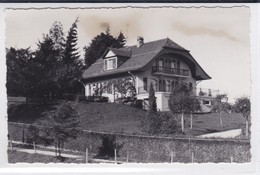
<point x="130" y="101"/>
<point x="162" y="123"/>
<point x="33" y="135"/>
<point x="36" y="135"/>
<point x="73" y="97"/>
<point x="100" y="99"/>
<point x="108" y="146"/>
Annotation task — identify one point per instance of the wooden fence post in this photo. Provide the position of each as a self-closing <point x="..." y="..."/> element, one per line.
<point x="171" y="156"/>
<point x="231" y="159"/>
<point x="34" y="148"/>
<point x="23" y="135"/>
<point x="127" y="156"/>
<point x="11" y="144"/>
<point x="192" y="157"/>
<point x="86" y="155"/>
<point x="55" y="150"/>
<point x="115" y="156"/>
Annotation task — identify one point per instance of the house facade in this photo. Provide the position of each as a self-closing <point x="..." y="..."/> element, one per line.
<point x="162" y="63"/>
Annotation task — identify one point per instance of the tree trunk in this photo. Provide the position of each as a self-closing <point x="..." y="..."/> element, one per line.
<point x="59" y="148"/>
<point x="247" y="128"/>
<point x="182" y="122"/>
<point x="220" y="119"/>
<point x="191" y="118"/>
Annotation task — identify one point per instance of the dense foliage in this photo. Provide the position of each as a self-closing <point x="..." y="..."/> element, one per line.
<point x="182" y="102"/>
<point x="152" y="99"/>
<point x="53" y="69"/>
<point x="63" y="124"/>
<point x="99" y="45"/>
<point x="243" y="106"/>
<point x="155" y="122"/>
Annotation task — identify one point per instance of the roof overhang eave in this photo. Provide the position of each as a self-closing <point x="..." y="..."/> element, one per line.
<point x="111" y="73"/>
<point x="202" y="78"/>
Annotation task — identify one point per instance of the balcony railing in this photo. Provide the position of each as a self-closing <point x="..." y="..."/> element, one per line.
<point x="166" y="88"/>
<point x="196" y="91"/>
<point x="168" y="70"/>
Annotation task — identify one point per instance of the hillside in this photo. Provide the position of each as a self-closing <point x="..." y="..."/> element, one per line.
<point x="94" y="116"/>
<point x="113" y="117"/>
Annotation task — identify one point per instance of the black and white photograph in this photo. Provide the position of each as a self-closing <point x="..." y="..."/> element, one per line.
<point x="128" y="85"/>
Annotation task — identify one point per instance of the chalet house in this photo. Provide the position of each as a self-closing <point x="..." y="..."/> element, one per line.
<point x="162" y="62"/>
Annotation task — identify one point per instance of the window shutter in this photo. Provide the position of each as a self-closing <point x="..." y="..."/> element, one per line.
<point x="145" y="83"/>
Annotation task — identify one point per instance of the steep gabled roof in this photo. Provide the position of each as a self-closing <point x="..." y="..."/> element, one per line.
<point x="138" y="58"/>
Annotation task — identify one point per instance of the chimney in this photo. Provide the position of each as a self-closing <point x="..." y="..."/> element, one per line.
<point x="140" y="41"/>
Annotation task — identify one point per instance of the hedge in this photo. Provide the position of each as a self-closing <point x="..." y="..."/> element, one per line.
<point x="155" y="149"/>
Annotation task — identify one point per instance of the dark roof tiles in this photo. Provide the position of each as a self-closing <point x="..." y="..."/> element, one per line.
<point x="138" y="58"/>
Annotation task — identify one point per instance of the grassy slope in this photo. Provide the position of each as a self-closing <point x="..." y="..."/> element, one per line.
<point x="209" y="123"/>
<point x="95" y="116"/>
<point x="21" y="157"/>
<point x="110" y="117"/>
<point x="120" y="118"/>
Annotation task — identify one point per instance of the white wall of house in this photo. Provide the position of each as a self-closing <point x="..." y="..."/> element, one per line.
<point x="161" y="97"/>
<point x="110" y="54"/>
<point x="90" y="88"/>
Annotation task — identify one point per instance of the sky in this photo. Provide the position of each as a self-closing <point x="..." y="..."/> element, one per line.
<point x="218" y="38"/>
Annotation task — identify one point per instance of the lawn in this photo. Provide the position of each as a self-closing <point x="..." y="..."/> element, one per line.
<point x="209" y="123"/>
<point x="21" y="157"/>
<point x="113" y="117"/>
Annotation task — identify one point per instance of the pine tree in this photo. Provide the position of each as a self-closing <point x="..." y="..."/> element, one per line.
<point x="152" y="99"/>
<point x="57" y="35"/>
<point x="70" y="71"/>
<point x="120" y="41"/>
<point x="71" y="55"/>
<point x="99" y="45"/>
<point x="45" y="66"/>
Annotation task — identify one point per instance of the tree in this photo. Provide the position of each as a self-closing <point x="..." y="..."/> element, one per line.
<point x="243" y="105"/>
<point x="220" y="105"/>
<point x="124" y="88"/>
<point x="120" y="41"/>
<point x="45" y="66"/>
<point x="57" y="36"/>
<point x="99" y="45"/>
<point x="71" y="55"/>
<point x="193" y="106"/>
<point x="64" y="124"/>
<point x="152" y="100"/>
<point x="179" y="102"/>
<point x="18" y="63"/>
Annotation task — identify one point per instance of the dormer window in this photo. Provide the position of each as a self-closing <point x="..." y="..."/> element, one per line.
<point x="110" y="63"/>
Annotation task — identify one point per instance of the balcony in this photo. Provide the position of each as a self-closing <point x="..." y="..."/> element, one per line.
<point x="199" y="92"/>
<point x="170" y="71"/>
<point x="159" y="88"/>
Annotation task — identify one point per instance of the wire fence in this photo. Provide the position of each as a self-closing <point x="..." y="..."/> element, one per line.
<point x="143" y="148"/>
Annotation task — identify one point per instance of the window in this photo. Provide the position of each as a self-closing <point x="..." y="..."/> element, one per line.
<point x="113" y="63"/>
<point x="162" y="86"/>
<point x="161" y="63"/>
<point x="105" y="64"/>
<point x="173" y="85"/>
<point x="174" y="64"/>
<point x="110" y="63"/>
<point x="145" y="83"/>
<point x="206" y="102"/>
